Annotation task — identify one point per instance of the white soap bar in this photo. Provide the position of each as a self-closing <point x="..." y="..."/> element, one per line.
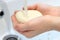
<point x="21" y="16"/>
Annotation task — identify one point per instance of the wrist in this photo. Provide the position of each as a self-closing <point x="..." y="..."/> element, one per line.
<point x="56" y="23"/>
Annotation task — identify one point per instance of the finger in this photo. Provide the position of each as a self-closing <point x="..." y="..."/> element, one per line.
<point x="16" y="12"/>
<point x="20" y="27"/>
<point x="33" y="7"/>
<point x="14" y="19"/>
<point x="44" y="8"/>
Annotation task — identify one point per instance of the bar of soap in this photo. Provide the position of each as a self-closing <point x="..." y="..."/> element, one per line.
<point x="22" y="17"/>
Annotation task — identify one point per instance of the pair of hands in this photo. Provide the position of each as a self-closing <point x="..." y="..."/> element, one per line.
<point x="40" y="24"/>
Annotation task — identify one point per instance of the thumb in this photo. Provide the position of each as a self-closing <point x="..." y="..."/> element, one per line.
<point x="43" y="8"/>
